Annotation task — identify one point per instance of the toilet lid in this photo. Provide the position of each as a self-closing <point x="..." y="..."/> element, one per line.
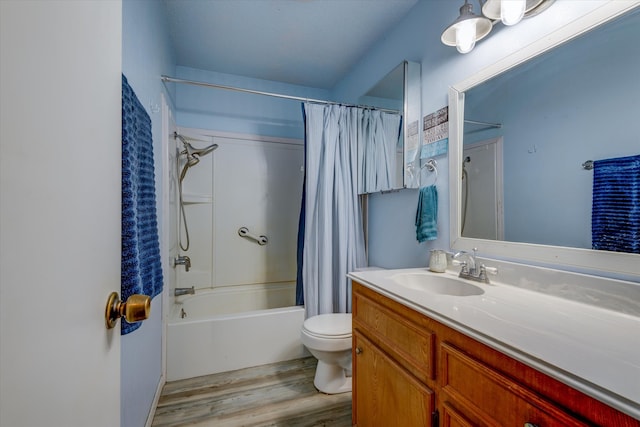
<point x="335" y="325"/>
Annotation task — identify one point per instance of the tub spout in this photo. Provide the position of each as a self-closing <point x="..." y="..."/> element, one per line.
<point x="184" y="291"/>
<point x="183" y="260"/>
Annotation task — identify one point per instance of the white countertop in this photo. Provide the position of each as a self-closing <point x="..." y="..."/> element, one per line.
<point x="593" y="349"/>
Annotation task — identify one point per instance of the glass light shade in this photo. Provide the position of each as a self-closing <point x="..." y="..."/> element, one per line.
<point x="467" y="26"/>
<point x="512" y="11"/>
<point x="466" y="36"/>
<point x="492" y="9"/>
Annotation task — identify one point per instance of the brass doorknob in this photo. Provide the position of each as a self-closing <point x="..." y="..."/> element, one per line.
<point x="136" y="309"/>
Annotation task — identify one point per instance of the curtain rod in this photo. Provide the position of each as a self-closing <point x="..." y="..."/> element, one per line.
<point x="275" y="95"/>
<point x="491" y="125"/>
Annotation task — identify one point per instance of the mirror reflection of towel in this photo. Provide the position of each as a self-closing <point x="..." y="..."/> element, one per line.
<point x="427" y="214"/>
<point x="615" y="216"/>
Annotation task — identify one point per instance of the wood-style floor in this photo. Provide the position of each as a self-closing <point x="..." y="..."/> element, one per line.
<point x="280" y="394"/>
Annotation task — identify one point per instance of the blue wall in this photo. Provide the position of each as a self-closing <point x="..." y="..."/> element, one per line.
<point x="146" y="54"/>
<point x="392" y="241"/>
<point x="231" y="111"/>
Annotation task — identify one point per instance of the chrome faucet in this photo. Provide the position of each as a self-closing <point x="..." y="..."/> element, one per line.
<point x="469" y="268"/>
<point x="184" y="291"/>
<point x="182" y="260"/>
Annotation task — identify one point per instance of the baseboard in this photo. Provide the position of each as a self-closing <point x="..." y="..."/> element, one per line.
<point x="156" y="399"/>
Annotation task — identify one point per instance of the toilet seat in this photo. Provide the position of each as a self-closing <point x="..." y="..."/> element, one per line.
<point x="327" y="332"/>
<point x="329" y="326"/>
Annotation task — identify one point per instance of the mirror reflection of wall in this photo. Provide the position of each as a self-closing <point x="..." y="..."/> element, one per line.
<point x="575" y="103"/>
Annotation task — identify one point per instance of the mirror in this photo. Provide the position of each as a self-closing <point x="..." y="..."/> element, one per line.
<point x="521" y="130"/>
<point x="398" y="92"/>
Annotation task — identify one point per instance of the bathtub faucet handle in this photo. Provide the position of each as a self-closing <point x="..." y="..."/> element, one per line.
<point x="182" y="260"/>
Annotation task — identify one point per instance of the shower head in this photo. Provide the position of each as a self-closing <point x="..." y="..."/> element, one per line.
<point x="193" y="154"/>
<point x="191" y="151"/>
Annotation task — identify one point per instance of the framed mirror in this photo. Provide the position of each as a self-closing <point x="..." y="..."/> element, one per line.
<point x="398" y="92"/>
<point x="521" y="131"/>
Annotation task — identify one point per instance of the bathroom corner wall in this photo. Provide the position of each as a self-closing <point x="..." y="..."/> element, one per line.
<point x="392" y="242"/>
<point x="146" y="55"/>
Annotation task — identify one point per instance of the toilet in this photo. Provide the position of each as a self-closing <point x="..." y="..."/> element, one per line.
<point x="328" y="338"/>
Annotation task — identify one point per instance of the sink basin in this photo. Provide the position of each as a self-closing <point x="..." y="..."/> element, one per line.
<point x="440" y="285"/>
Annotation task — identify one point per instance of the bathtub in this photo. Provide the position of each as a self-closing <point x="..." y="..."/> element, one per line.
<point x="226" y="328"/>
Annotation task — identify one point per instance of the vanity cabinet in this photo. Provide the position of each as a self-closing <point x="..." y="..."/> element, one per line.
<point x="410" y="370"/>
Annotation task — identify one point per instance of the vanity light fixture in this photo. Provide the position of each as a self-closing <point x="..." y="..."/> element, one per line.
<point x="469" y="27"/>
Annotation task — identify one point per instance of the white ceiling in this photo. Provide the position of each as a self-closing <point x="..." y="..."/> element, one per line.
<point x="304" y="42"/>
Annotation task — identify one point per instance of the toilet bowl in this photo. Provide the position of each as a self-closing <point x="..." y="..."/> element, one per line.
<point x="328" y="338"/>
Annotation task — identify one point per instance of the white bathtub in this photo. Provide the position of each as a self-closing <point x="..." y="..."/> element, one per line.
<point x="234" y="327"/>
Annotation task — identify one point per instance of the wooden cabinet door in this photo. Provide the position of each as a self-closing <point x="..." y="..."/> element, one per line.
<point x="384" y="393"/>
<point x="452" y="418"/>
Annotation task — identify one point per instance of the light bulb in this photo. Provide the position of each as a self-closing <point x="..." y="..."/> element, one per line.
<point x="466" y="36"/>
<point x="512" y="11"/>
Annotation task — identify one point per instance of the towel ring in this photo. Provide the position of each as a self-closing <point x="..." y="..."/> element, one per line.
<point x="432" y="166"/>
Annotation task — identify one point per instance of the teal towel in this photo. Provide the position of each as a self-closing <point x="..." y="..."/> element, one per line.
<point x="427" y="214"/>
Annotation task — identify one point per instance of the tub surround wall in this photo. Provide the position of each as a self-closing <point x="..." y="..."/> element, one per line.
<point x="251" y="182"/>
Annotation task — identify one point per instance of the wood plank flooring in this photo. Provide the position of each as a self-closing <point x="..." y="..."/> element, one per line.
<point x="280" y="394"/>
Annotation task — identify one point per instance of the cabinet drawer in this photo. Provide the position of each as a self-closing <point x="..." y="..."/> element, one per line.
<point x="489" y="398"/>
<point x="396" y="335"/>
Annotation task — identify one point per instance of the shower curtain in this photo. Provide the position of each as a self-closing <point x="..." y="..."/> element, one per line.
<point x="332" y="232"/>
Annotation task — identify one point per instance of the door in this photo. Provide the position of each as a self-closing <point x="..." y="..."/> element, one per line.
<point x="385" y="394"/>
<point x="60" y="143"/>
<point x="482" y="211"/>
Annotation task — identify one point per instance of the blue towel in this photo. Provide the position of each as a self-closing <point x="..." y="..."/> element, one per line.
<point x="141" y="270"/>
<point x="615" y="215"/>
<point x="427" y="214"/>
